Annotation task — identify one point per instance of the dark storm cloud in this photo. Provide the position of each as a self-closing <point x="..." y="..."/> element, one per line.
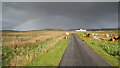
<point x="60" y="1"/>
<point x="64" y="15"/>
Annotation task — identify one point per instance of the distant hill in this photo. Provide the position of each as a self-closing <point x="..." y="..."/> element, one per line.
<point x="55" y="29"/>
<point x="103" y="29"/>
<point x="47" y="29"/>
<point x="11" y="31"/>
<point x="52" y="29"/>
<point x="98" y="29"/>
<point x="8" y="30"/>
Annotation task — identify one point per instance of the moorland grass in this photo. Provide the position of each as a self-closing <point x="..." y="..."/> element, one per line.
<point x="18" y="46"/>
<point x="52" y="57"/>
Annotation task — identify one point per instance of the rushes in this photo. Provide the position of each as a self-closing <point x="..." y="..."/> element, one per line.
<point x="112" y="48"/>
<point x="19" y="47"/>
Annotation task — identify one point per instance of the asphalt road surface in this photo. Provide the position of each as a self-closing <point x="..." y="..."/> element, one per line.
<point x="78" y="53"/>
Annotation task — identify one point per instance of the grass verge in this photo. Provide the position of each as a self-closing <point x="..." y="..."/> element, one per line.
<point x="112" y="60"/>
<point x="52" y="57"/>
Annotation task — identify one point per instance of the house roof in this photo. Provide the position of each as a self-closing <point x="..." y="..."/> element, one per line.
<point x="81" y="28"/>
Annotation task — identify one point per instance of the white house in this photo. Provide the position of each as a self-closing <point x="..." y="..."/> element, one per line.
<point x="82" y="29"/>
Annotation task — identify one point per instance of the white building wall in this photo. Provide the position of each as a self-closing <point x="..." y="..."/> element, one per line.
<point x="80" y="30"/>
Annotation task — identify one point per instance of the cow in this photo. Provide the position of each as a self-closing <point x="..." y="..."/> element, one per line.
<point x="92" y="33"/>
<point x="99" y="34"/>
<point x="112" y="39"/>
<point x="66" y="35"/>
<point x="96" y="34"/>
<point x="89" y="35"/>
<point x="106" y="35"/>
<point x="116" y="37"/>
<point x="86" y="34"/>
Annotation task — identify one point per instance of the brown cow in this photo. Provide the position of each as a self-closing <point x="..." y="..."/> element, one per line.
<point x="99" y="34"/>
<point x="86" y="33"/>
<point x="89" y="35"/>
<point x="112" y="39"/>
<point x="97" y="39"/>
<point x="66" y="35"/>
<point x="113" y="35"/>
<point x="106" y="35"/>
<point x="117" y="37"/>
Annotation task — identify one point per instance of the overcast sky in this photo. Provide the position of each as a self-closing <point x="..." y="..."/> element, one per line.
<point x="60" y="0"/>
<point x="63" y="15"/>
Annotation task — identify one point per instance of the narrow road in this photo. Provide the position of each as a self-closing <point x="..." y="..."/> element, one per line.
<point x="78" y="53"/>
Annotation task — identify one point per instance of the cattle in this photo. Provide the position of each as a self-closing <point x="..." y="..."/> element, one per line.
<point x="113" y="35"/>
<point x="116" y="37"/>
<point x="106" y="35"/>
<point x="96" y="34"/>
<point x="66" y="35"/>
<point x="86" y="33"/>
<point x="99" y="34"/>
<point x="97" y="39"/>
<point x="89" y="35"/>
<point x="92" y="33"/>
<point x="112" y="39"/>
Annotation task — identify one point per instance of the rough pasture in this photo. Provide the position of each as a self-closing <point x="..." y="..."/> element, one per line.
<point x="19" y="47"/>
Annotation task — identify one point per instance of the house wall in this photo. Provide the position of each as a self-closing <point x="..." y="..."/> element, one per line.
<point x="80" y="30"/>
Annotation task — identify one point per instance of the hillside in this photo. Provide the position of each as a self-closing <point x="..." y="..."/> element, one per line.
<point x="52" y="29"/>
<point x="102" y="29"/>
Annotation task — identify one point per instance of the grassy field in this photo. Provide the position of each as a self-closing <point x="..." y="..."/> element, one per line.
<point x="53" y="57"/>
<point x="19" y="47"/>
<point x="108" y="50"/>
<point x="45" y="48"/>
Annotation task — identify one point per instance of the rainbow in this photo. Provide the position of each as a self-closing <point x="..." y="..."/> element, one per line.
<point x="25" y="22"/>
